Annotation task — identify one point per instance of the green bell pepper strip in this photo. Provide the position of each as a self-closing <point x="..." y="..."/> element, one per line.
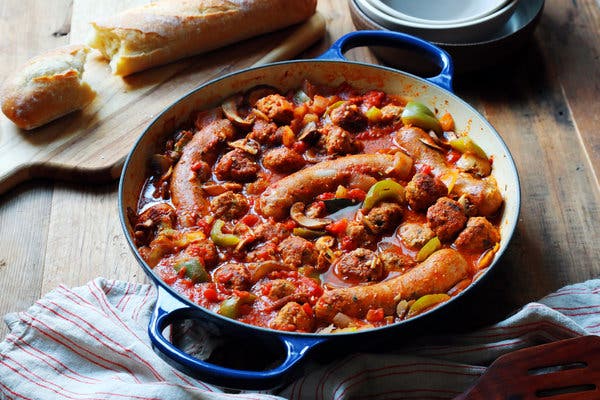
<point x="230" y="307"/>
<point x="373" y="114"/>
<point x="386" y="189"/>
<point x="421" y="116"/>
<point x="425" y="302"/>
<point x="465" y="144"/>
<point x="220" y="238"/>
<point x="428" y="249"/>
<point x="194" y="270"/>
<point x="308" y="233"/>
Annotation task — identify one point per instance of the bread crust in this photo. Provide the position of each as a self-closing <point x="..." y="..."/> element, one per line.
<point x="168" y="30"/>
<point x="47" y="87"/>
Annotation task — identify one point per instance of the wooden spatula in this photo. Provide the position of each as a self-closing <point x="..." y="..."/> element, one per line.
<point x="564" y="370"/>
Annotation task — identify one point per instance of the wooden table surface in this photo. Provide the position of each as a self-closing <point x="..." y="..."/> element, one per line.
<point x="543" y="101"/>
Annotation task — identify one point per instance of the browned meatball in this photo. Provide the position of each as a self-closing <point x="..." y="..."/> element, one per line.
<point x="233" y="276"/>
<point x="359" y="233"/>
<point x="348" y="116"/>
<point x="277" y="108"/>
<point x="237" y="165"/>
<point x="206" y="251"/>
<point x="415" y="235"/>
<point x="423" y="190"/>
<point x="229" y="205"/>
<point x="396" y="261"/>
<point x="384" y="218"/>
<point x="280" y="288"/>
<point x="479" y="235"/>
<point x="266" y="232"/>
<point x="283" y="160"/>
<point x="337" y="140"/>
<point x="391" y="113"/>
<point x="360" y="265"/>
<point x="446" y="218"/>
<point x="292" y="317"/>
<point x="296" y="252"/>
<point x="265" y="132"/>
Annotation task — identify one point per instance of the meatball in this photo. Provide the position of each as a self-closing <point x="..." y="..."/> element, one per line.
<point x="395" y="261"/>
<point x="384" y="218"/>
<point x="423" y="190"/>
<point x="348" y="116"/>
<point x="479" y="235"/>
<point x="359" y="234"/>
<point x="237" y="165"/>
<point x="336" y="140"/>
<point x="229" y="205"/>
<point x="233" y="276"/>
<point x="265" y="132"/>
<point x="266" y="232"/>
<point x="391" y="113"/>
<point x="280" y="288"/>
<point x="446" y="218"/>
<point x="296" y="252"/>
<point x="283" y="160"/>
<point x="415" y="235"/>
<point x="292" y="317"/>
<point x="277" y="108"/>
<point x="360" y="265"/>
<point x="205" y="250"/>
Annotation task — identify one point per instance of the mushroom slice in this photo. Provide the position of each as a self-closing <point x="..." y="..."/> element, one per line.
<point x="297" y="214"/>
<point x="431" y="143"/>
<point x="264" y="268"/>
<point x="230" y="109"/>
<point x="247" y="145"/>
<point x="309" y="133"/>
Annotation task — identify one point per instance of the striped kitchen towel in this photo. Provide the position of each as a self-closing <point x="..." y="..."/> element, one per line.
<point x="90" y="342"/>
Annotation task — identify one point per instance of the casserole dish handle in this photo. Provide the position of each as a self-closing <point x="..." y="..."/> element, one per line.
<point x="169" y="310"/>
<point x="400" y="40"/>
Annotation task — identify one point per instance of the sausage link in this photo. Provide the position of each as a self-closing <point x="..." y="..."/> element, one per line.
<point x="483" y="193"/>
<point x="188" y="197"/>
<point x="305" y="184"/>
<point x="440" y="272"/>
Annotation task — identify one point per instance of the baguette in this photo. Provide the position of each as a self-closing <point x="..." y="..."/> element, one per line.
<point x="47" y="87"/>
<point x="168" y="30"/>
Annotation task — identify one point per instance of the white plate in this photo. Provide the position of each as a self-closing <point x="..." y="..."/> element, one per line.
<point x="428" y="12"/>
<point x="473" y="31"/>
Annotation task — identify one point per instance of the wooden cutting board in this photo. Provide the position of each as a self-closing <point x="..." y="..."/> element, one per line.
<point x="90" y="145"/>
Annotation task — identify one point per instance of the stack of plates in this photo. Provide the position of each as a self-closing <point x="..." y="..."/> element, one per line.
<point x="477" y="33"/>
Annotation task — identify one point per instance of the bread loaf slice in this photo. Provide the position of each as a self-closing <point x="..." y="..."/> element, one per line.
<point x="168" y="30"/>
<point x="47" y="87"/>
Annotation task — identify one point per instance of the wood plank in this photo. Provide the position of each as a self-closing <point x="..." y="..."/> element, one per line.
<point x="85" y="240"/>
<point x="28" y="27"/>
<point x="571" y="35"/>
